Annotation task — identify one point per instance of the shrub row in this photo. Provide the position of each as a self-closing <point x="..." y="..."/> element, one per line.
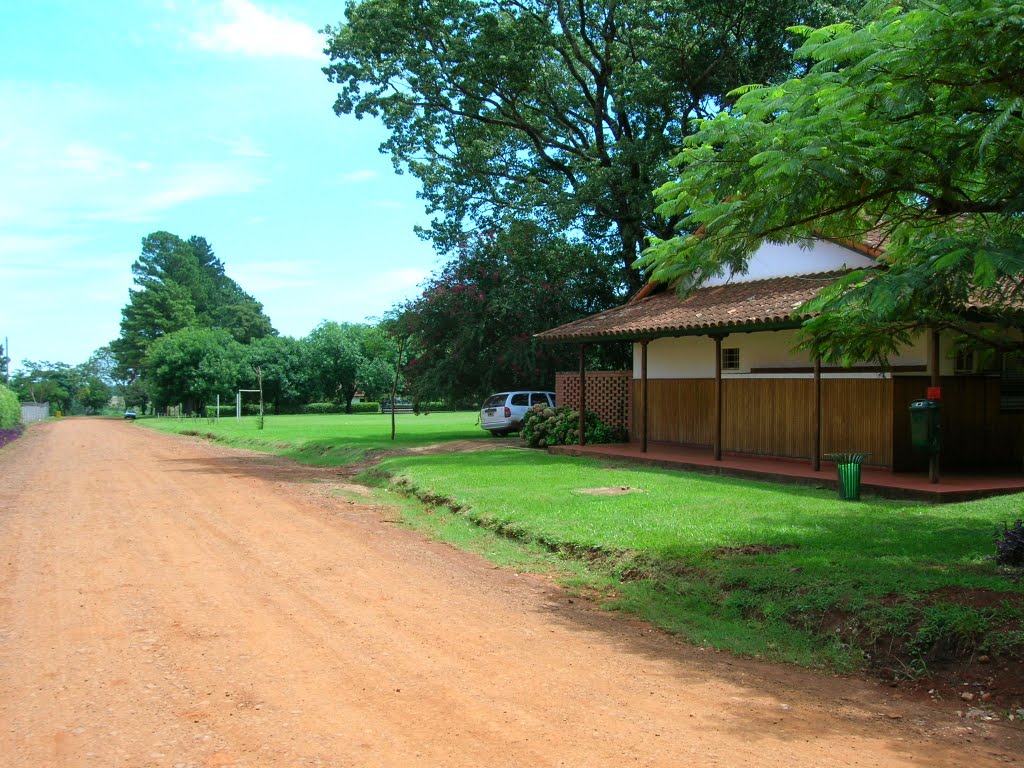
<point x="10" y="409"/>
<point x="544" y="426"/>
<point x="321" y="408"/>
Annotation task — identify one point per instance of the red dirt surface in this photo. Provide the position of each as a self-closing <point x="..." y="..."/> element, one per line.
<point x="165" y="602"/>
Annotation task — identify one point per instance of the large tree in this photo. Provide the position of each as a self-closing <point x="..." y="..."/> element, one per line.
<point x="908" y="131"/>
<point x="376" y="374"/>
<point x="472" y="328"/>
<point x="193" y="366"/>
<point x="333" y="356"/>
<point x="281" y="361"/>
<point x="180" y="284"/>
<point x="564" y="112"/>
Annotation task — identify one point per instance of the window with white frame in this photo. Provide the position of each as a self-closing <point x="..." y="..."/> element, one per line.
<point x="730" y="358"/>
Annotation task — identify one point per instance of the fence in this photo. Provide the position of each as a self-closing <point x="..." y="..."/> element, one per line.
<point x="34" y="412"/>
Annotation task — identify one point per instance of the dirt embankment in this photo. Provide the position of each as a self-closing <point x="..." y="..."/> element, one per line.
<point x="170" y="603"/>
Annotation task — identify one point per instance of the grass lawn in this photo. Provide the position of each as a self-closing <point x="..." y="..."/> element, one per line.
<point x="776" y="571"/>
<point x="335" y="439"/>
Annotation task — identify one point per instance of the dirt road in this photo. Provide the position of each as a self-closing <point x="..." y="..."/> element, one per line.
<point x="170" y="603"/>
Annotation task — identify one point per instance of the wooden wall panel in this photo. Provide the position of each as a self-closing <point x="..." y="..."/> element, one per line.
<point x="976" y="433"/>
<point x="681" y="411"/>
<point x="857" y="416"/>
<point x="773" y="417"/>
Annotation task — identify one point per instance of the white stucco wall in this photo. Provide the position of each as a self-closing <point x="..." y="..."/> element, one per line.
<point x="806" y="258"/>
<point x="689" y="357"/>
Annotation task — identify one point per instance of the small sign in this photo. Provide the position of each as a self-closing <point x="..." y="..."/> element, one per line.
<point x="934" y="393"/>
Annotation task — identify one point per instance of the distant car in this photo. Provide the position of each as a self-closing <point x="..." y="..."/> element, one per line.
<point x="130" y="415"/>
<point x="504" y="412"/>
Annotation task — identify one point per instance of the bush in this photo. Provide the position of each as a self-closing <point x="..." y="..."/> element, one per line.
<point x="10" y="409"/>
<point x="544" y="426"/>
<point x="1010" y="544"/>
<point x="323" y="408"/>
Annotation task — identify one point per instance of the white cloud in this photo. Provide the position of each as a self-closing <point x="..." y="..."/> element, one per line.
<point x="403" y="279"/>
<point x="274" y="276"/>
<point x="244" y="146"/>
<point x="86" y="158"/>
<point x="32" y="245"/>
<point x="184" y="184"/>
<point x="62" y="166"/>
<point x="249" y="30"/>
<point x="357" y="177"/>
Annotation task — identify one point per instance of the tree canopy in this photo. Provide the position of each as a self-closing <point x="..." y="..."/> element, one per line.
<point x="281" y="361"/>
<point x="194" y="365"/>
<point x="333" y="358"/>
<point x="181" y="284"/>
<point x="78" y="389"/>
<point x="562" y="112"/>
<point x="907" y="130"/>
<point x="472" y="328"/>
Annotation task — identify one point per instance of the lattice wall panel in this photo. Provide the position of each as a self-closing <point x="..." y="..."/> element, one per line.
<point x="609" y="394"/>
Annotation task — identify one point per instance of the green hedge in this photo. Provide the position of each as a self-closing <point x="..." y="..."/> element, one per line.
<point x="321" y="408"/>
<point x="10" y="409"/>
<point x="366" y="407"/>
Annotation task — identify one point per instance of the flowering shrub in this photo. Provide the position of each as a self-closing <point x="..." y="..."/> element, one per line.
<point x="544" y="426"/>
<point x="1010" y="544"/>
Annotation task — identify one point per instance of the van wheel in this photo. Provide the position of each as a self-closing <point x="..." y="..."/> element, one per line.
<point x="498" y="432"/>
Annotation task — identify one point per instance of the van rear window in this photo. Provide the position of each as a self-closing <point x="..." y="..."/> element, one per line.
<point x="495" y="400"/>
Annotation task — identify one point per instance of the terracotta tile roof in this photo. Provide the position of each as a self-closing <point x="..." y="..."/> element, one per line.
<point x="1006" y="296"/>
<point x="746" y="305"/>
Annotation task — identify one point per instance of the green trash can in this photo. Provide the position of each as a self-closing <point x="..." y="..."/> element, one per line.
<point x="926" y="426"/>
<point x="848" y="467"/>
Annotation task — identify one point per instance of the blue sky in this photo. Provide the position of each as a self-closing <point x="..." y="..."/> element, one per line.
<point x="198" y="117"/>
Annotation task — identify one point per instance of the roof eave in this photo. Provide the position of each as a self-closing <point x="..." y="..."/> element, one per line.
<point x="662" y="333"/>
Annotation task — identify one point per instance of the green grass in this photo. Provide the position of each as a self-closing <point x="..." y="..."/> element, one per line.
<point x="830" y="578"/>
<point x="335" y="439"/>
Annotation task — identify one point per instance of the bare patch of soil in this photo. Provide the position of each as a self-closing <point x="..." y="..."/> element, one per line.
<point x="753" y="549"/>
<point x="615" y="490"/>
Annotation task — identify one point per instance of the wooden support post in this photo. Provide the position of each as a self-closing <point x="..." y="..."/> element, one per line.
<point x="936" y="381"/>
<point x="643" y="396"/>
<point x="717" y="447"/>
<point x="816" y="461"/>
<point x="583" y="394"/>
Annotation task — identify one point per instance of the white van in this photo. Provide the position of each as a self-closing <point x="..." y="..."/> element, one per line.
<point x="504" y="412"/>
